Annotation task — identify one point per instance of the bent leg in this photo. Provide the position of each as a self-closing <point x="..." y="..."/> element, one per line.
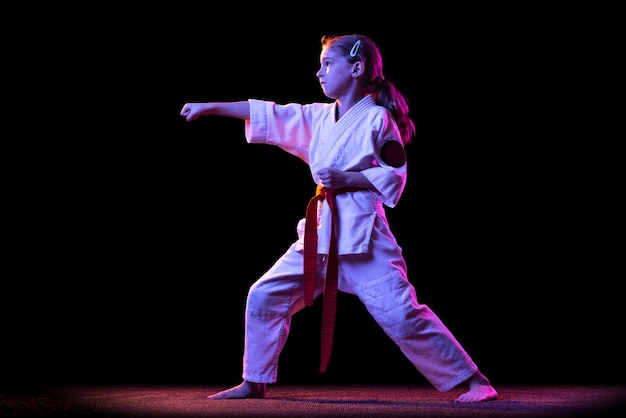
<point x="271" y="302"/>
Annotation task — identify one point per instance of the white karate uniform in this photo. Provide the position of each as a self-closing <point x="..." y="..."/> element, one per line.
<point x="371" y="264"/>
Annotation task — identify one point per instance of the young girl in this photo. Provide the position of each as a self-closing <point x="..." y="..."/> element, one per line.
<point x="354" y="147"/>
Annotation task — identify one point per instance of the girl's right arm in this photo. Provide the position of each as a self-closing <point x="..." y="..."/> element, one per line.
<point x="238" y="110"/>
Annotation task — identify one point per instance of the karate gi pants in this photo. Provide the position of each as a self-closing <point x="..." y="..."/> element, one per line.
<point x="379" y="280"/>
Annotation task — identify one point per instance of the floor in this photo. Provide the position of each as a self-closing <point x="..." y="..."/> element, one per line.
<point x="311" y="401"/>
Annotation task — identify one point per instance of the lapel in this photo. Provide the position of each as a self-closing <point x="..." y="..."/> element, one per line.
<point x="334" y="135"/>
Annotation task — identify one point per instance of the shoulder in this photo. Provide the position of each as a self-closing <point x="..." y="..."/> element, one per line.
<point x="381" y="117"/>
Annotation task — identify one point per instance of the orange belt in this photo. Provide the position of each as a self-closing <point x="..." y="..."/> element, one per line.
<point x="329" y="307"/>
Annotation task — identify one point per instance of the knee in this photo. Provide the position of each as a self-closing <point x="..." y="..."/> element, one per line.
<point x="257" y="297"/>
<point x="262" y="302"/>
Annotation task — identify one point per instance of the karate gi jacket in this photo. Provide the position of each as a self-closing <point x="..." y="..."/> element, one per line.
<point x="365" y="139"/>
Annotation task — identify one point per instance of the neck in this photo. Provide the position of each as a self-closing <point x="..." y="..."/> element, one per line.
<point x="344" y="104"/>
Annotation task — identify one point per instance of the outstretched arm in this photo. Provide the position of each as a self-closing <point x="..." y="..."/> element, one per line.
<point x="238" y="110"/>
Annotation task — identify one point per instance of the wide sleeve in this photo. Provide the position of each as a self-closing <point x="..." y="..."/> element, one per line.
<point x="288" y="126"/>
<point x="388" y="170"/>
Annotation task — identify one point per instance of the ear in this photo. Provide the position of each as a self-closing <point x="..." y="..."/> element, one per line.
<point x="357" y="69"/>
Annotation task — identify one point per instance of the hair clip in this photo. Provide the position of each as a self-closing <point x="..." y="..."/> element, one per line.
<point x="355" y="48"/>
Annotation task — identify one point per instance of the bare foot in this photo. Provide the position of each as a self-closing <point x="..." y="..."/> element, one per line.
<point x="244" y="390"/>
<point x="480" y="390"/>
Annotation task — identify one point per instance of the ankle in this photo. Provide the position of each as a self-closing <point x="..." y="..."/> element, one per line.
<point x="478" y="379"/>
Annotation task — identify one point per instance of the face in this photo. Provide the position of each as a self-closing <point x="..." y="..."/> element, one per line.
<point x="335" y="74"/>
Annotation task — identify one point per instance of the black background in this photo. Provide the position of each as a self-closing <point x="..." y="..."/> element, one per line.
<point x="137" y="234"/>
